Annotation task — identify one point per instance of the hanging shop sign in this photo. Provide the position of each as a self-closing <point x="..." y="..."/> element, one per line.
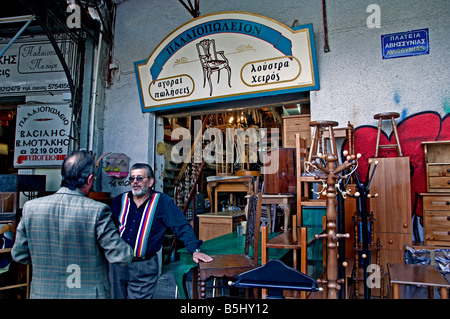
<point x="42" y="135"/>
<point x="33" y="67"/>
<point x="227" y="56"/>
<point x="403" y="44"/>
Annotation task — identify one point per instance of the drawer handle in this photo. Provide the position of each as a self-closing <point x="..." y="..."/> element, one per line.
<point x="447" y="203"/>
<point x="448" y="218"/>
<point x="391" y="241"/>
<point x="448" y="170"/>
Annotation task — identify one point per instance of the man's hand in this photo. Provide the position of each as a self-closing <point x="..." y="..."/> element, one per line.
<point x="198" y="256"/>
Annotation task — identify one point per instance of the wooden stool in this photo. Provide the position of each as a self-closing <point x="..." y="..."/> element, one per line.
<point x="318" y="127"/>
<point x="388" y="116"/>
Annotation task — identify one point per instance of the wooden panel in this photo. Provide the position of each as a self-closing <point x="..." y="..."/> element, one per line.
<point x="392" y="207"/>
<point x="350" y="209"/>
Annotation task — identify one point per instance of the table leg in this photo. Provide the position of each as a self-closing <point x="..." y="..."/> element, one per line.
<point x="216" y="201"/>
<point x="287" y="215"/>
<point x="274" y="217"/>
<point x="211" y="202"/>
<point x="195" y="283"/>
<point x="269" y="220"/>
<point x="396" y="291"/>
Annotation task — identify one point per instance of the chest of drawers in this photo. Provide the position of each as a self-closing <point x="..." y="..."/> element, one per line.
<point x="296" y="124"/>
<point x="436" y="218"/>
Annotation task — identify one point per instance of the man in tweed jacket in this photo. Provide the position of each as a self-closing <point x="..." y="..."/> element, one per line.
<point x="69" y="239"/>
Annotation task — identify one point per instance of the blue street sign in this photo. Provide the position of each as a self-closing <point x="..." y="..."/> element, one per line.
<point x="410" y="43"/>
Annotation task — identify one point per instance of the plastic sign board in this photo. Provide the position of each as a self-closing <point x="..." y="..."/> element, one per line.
<point x="42" y="134"/>
<point x="224" y="57"/>
<point x="405" y="44"/>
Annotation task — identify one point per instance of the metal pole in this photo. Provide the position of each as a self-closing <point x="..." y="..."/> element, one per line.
<point x="17" y="35"/>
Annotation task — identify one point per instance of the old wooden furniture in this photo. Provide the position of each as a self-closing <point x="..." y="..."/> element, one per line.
<point x="228" y="184"/>
<point x="437" y="166"/>
<point x="347" y="133"/>
<point x="330" y="171"/>
<point x="388" y="116"/>
<point x="295" y="240"/>
<point x="392" y="207"/>
<point x="19" y="283"/>
<point x="212" y="225"/>
<point x="230" y="266"/>
<point x="436" y="218"/>
<point x="284" y="201"/>
<point x="296" y="124"/>
<point x="283" y="179"/>
<point x="428" y="276"/>
<point x="436" y="201"/>
<point x="229" y="244"/>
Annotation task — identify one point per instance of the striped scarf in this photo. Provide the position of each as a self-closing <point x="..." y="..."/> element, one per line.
<point x="145" y="224"/>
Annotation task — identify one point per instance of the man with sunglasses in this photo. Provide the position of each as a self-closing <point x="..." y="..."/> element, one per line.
<point x="142" y="216"/>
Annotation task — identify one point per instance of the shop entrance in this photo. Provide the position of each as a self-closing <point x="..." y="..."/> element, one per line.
<point x="180" y="176"/>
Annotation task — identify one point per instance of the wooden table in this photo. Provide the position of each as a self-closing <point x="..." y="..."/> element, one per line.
<point x="285" y="201"/>
<point x="228" y="184"/>
<point x="226" y="245"/>
<point x="407" y="274"/>
<point x="212" y="225"/>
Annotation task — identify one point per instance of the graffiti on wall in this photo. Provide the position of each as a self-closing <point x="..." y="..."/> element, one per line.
<point x="412" y="131"/>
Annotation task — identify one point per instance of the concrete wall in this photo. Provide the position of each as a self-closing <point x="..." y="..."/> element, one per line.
<point x="356" y="82"/>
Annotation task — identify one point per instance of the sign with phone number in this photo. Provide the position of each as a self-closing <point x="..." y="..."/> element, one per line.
<point x="42" y="135"/>
<point x="32" y="67"/>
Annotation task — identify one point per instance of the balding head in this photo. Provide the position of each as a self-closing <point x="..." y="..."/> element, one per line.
<point x="76" y="169"/>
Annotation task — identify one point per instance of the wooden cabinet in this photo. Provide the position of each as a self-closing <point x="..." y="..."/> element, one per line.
<point x="436" y="218"/>
<point x="392" y="207"/>
<point x="283" y="180"/>
<point x="296" y="124"/>
<point x="216" y="224"/>
<point x="437" y="161"/>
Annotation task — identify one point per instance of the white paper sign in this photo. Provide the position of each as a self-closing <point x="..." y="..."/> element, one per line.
<point x="42" y="135"/>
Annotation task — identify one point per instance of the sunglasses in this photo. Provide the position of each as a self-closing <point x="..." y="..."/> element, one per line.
<point x="138" y="178"/>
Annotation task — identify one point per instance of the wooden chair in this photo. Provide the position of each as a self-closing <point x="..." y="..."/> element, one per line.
<point x="26" y="284"/>
<point x="230" y="266"/>
<point x="295" y="240"/>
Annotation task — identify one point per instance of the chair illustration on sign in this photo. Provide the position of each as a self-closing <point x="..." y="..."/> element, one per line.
<point x="212" y="61"/>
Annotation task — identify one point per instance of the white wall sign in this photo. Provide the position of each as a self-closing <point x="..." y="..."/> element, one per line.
<point x="32" y="67"/>
<point x="42" y="135"/>
<point x="227" y="56"/>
